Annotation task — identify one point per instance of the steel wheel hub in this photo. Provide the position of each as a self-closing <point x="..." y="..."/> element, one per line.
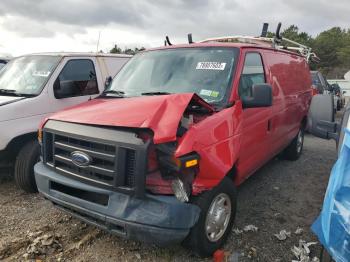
<point x="218" y="217"/>
<point x="300" y="141"/>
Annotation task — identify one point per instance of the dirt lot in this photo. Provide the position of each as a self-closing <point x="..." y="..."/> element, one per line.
<point x="282" y="195"/>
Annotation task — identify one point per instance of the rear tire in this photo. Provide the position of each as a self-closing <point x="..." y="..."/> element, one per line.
<point x="295" y="148"/>
<point x="26" y="158"/>
<point x="218" y="210"/>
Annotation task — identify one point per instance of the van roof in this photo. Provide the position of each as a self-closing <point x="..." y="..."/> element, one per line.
<point x="94" y="54"/>
<point x="226" y="44"/>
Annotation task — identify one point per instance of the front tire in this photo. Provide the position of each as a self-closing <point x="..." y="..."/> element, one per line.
<point x="27" y="157"/>
<point x="218" y="210"/>
<point x="295" y="148"/>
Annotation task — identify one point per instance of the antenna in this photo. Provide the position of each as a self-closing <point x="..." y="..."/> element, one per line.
<point x="264" y="30"/>
<point x="98" y="41"/>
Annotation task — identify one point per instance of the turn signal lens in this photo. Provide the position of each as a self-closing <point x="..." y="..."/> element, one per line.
<point x="185" y="162"/>
<point x="191" y="163"/>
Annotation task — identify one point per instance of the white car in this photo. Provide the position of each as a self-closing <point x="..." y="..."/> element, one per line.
<point x="3" y="62"/>
<point x="34" y="86"/>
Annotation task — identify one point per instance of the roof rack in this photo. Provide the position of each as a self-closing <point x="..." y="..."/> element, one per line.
<point x="277" y="42"/>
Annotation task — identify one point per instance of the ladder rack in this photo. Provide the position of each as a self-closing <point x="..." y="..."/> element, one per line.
<point x="275" y="42"/>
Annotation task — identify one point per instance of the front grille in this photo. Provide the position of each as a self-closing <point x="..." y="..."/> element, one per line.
<point x="116" y="161"/>
<point x="94" y="197"/>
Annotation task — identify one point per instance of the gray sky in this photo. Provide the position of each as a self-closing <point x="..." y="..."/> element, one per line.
<point x="74" y="25"/>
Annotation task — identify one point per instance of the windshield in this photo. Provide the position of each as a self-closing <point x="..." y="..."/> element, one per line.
<point x="205" y="71"/>
<point x="27" y="75"/>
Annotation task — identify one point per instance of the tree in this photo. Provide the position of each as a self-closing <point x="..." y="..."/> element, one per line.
<point x="332" y="48"/>
<point x="128" y="51"/>
<point x="115" y="50"/>
<point x="292" y="33"/>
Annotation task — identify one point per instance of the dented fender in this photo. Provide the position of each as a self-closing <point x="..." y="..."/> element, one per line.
<point x="217" y="140"/>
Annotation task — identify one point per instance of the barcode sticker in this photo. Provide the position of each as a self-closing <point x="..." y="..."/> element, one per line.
<point x="41" y="73"/>
<point x="211" y="66"/>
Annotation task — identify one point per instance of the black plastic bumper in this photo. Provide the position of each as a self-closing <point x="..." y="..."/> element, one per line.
<point x="160" y="220"/>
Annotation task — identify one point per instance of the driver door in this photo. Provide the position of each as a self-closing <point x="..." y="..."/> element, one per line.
<point x="76" y="82"/>
<point x="256" y="122"/>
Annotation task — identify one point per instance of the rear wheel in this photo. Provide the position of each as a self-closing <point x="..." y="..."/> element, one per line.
<point x="218" y="210"/>
<point x="295" y="148"/>
<point x="27" y="157"/>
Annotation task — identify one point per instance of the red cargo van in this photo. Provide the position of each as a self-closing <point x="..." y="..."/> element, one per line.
<point x="157" y="157"/>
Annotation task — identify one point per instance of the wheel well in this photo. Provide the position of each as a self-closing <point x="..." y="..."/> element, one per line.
<point x="16" y="143"/>
<point x="232" y="173"/>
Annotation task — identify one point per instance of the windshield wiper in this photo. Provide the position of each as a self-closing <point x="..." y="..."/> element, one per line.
<point x="11" y="92"/>
<point x="7" y="91"/>
<point x="116" y="93"/>
<point x="155" y="93"/>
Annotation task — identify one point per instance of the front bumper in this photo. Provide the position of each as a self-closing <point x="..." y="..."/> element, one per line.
<point x="160" y="220"/>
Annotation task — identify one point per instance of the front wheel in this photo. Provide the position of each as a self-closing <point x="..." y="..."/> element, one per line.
<point x="27" y="157"/>
<point x="218" y="210"/>
<point x="295" y="148"/>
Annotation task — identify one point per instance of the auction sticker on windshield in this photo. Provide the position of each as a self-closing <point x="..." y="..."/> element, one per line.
<point x="41" y="73"/>
<point x="211" y="65"/>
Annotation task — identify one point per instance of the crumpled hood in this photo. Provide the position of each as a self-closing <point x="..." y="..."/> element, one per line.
<point x="161" y="113"/>
<point x="4" y="100"/>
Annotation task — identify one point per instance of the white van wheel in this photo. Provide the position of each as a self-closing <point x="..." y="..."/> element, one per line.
<point x="27" y="157"/>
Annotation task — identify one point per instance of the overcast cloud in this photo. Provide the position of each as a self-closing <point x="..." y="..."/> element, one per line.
<point x="74" y="25"/>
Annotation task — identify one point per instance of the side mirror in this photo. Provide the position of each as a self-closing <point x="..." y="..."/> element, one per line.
<point x="261" y="96"/>
<point x="344" y="92"/>
<point x="64" y="89"/>
<point x="108" y="81"/>
<point x="56" y="88"/>
<point x="321" y="117"/>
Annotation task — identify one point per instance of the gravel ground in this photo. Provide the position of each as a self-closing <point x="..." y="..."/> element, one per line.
<point x="281" y="195"/>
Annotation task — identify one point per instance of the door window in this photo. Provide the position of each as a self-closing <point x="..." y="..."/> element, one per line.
<point x="253" y="73"/>
<point x="77" y="78"/>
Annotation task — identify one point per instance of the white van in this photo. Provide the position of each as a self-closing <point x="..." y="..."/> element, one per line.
<point x="35" y="86"/>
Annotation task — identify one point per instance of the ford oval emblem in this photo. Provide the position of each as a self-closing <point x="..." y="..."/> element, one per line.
<point x="80" y="158"/>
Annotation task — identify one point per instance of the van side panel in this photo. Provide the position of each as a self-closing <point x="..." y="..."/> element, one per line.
<point x="290" y="78"/>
